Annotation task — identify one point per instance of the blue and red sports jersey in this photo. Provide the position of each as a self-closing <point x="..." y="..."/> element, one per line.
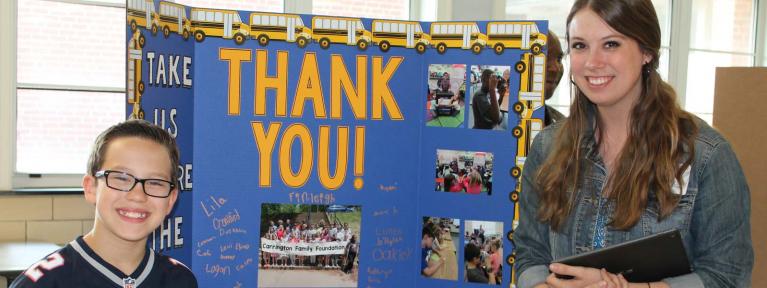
<point x="77" y="265"/>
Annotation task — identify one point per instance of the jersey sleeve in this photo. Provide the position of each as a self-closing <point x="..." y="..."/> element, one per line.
<point x="43" y="273"/>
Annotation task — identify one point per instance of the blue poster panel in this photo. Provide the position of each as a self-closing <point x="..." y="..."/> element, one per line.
<point x="321" y="160"/>
<point x="159" y="82"/>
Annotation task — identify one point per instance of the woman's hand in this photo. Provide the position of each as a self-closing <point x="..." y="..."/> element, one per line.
<point x="581" y="276"/>
<point x="610" y="280"/>
<point x="584" y="277"/>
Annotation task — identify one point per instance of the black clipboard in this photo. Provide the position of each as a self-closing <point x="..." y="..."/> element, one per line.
<point x="647" y="259"/>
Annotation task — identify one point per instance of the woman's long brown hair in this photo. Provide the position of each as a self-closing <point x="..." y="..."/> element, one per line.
<point x="660" y="144"/>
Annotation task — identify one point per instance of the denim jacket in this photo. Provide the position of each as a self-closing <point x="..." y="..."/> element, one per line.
<point x="712" y="215"/>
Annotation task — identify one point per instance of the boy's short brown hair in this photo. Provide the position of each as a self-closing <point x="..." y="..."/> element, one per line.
<point x="133" y="128"/>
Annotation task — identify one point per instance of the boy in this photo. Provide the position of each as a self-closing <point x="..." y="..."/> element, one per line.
<point x="131" y="181"/>
<point x="475" y="273"/>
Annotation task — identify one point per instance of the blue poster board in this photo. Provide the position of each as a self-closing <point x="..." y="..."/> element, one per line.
<point x="344" y="127"/>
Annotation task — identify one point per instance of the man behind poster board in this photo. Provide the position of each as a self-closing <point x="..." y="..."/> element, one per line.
<point x="554" y="71"/>
<point x="115" y="253"/>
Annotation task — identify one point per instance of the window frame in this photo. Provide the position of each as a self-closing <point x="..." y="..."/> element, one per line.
<point x="16" y="179"/>
<point x="680" y="46"/>
<point x="679" y="49"/>
<point x="9" y="178"/>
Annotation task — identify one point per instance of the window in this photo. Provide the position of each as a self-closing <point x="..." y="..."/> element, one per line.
<point x="722" y="34"/>
<point x="379" y="9"/>
<point x="71" y="88"/>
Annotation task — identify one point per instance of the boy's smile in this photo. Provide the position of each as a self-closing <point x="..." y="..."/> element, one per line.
<point x="133" y="215"/>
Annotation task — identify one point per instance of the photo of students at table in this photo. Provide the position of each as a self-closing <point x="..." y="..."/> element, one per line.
<point x="446" y="95"/>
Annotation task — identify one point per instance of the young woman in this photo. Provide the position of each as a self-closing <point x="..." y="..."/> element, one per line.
<point x="628" y="163"/>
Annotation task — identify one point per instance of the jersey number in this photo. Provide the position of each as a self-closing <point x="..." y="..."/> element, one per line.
<point x="52" y="261"/>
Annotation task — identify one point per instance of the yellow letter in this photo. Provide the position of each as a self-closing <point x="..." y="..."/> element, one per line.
<point x="309" y="87"/>
<point x="234" y="57"/>
<point x="265" y="145"/>
<point x="381" y="91"/>
<point x="299" y="178"/>
<point x="359" y="150"/>
<point x="359" y="156"/>
<point x="278" y="83"/>
<point x="339" y="79"/>
<point x="342" y="157"/>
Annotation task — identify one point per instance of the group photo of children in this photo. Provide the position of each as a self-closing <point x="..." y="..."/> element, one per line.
<point x="446" y="95"/>
<point x="439" y="258"/>
<point x="483" y="252"/>
<point x="309" y="245"/>
<point x="464" y="172"/>
<point x="489" y="112"/>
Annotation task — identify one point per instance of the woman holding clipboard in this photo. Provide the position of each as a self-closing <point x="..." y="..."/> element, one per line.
<point x="628" y="163"/>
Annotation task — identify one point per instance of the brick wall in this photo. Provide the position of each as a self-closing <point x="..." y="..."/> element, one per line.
<point x="382" y="9"/>
<point x="70" y="44"/>
<point x="245" y="5"/>
<point x="48" y="218"/>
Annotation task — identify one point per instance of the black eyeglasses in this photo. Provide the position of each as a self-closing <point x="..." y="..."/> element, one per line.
<point x="125" y="182"/>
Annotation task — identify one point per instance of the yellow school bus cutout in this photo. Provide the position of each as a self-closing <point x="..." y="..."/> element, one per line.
<point x="273" y="26"/>
<point x="173" y="19"/>
<point x="408" y="34"/>
<point x="221" y="23"/>
<point x="351" y="31"/>
<point x="464" y="35"/>
<point x="532" y="79"/>
<point x="525" y="132"/>
<point x="135" y="84"/>
<point x="140" y="13"/>
<point x="517" y="35"/>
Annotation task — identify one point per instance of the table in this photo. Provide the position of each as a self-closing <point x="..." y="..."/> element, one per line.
<point x="15" y="257"/>
<point x="447" y="121"/>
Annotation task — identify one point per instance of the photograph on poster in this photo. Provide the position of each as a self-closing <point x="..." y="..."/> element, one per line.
<point x="467" y="172"/>
<point x="483" y="114"/>
<point x="446" y="95"/>
<point x="439" y="258"/>
<point x="309" y="245"/>
<point x="483" y="250"/>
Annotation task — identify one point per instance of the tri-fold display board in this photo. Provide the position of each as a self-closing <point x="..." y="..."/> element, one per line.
<point x="318" y="155"/>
